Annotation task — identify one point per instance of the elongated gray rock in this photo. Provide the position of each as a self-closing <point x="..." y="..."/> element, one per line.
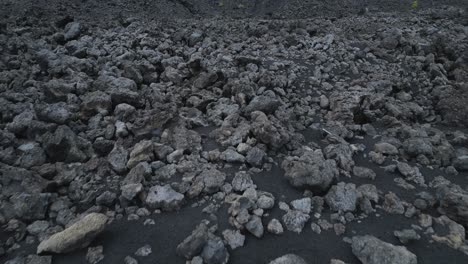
<point x="79" y="235"/>
<point x="371" y="250"/>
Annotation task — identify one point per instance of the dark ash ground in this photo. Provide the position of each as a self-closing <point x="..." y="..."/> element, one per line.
<point x="336" y="131"/>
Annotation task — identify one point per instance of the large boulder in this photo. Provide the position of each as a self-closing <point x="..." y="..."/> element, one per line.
<point x="371" y="250"/>
<point x="310" y="170"/>
<point x="77" y="236"/>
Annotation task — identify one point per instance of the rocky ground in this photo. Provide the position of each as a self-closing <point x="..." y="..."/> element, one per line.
<point x="233" y="132"/>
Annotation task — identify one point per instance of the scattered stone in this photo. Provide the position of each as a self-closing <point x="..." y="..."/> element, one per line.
<point x="406" y="235"/>
<point x="295" y="220"/>
<point x="275" y="227"/>
<point x="144" y="251"/>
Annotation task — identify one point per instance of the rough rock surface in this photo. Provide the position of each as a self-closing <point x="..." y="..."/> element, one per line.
<point x="78" y="235"/>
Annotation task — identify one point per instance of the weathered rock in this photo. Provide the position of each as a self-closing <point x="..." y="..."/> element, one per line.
<point x="95" y="254"/>
<point x="118" y="159"/>
<point x="78" y="235"/>
<point x="407" y="235"/>
<point x="242" y="181"/>
<point x="255" y="226"/>
<point x="194" y="244"/>
<point x="342" y="197"/>
<point x="214" y="252"/>
<point x="295" y="220"/>
<point x="233" y="238"/>
<point x="363" y="172"/>
<point x="275" y="227"/>
<point x="164" y="197"/>
<point x="311" y="170"/>
<point x="255" y="157"/>
<point x="370" y="250"/>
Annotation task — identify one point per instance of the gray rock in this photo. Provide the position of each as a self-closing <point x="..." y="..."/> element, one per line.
<point x="453" y="202"/>
<point x="265" y="200"/>
<point x="311" y="170"/>
<point x="232" y="156"/>
<point x="118" y="159"/>
<point x="265" y="103"/>
<point x="385" y="148"/>
<point x="130" y="191"/>
<point x="417" y="146"/>
<point x="95" y="254"/>
<point x="255" y="156"/>
<point x="454" y="238"/>
<point x="57" y="113"/>
<point x="289" y="259"/>
<point x="130" y="260"/>
<point x="342" y="197"/>
<point x="371" y="250"/>
<point x="72" y="31"/>
<point x="143" y="151"/>
<point x="96" y="102"/>
<point x="78" y="235"/>
<point x="30" y="206"/>
<point x="242" y="181"/>
<point x="275" y="227"/>
<point x="31" y="154"/>
<point x="304" y="205"/>
<point x="461" y="163"/>
<point x="107" y="198"/>
<point x="406" y="235"/>
<point x="144" y="251"/>
<point x="363" y="172"/>
<point x="164" y="197"/>
<point x="392" y="204"/>
<point x="62" y="145"/>
<point x="194" y="244"/>
<point x="295" y="220"/>
<point x="233" y="238"/>
<point x="255" y="226"/>
<point x="215" y="252"/>
<point x="342" y="154"/>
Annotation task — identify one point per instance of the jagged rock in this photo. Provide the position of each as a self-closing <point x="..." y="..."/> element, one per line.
<point x="63" y="145"/>
<point x="233" y="238"/>
<point x="370" y="250"/>
<point x="95" y="254"/>
<point x="310" y="170"/>
<point x="456" y="232"/>
<point x="164" y="197"/>
<point x="194" y="244"/>
<point x="295" y="220"/>
<point x="255" y="157"/>
<point x="392" y="204"/>
<point x="118" y="159"/>
<point x="342" y="197"/>
<point x="275" y="227"/>
<point x="214" y="251"/>
<point x="304" y="205"/>
<point x="242" y="181"/>
<point x="255" y="226"/>
<point x="78" y="235"/>
<point x="265" y="200"/>
<point x="143" y="151"/>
